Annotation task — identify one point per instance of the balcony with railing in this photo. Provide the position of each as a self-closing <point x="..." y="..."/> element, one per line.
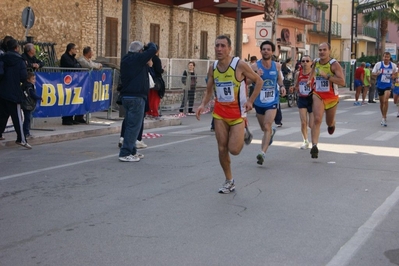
<point x="227" y="8"/>
<point x="305" y="12"/>
<point x="367" y="31"/>
<point x="323" y="27"/>
<point x="256" y="2"/>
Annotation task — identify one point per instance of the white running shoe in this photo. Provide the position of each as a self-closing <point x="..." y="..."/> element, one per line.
<point x="120" y="143"/>
<point x="129" y="158"/>
<point x="140" y="144"/>
<point x="24" y="144"/>
<point x="384" y="122"/>
<point x="305" y="145"/>
<point x="139" y="155"/>
<point x="228" y="186"/>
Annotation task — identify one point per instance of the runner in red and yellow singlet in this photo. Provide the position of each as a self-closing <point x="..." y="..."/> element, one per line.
<point x="327" y="74"/>
<point x="226" y="80"/>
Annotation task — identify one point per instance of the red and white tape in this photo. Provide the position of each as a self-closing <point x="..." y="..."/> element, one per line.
<point x="151" y="135"/>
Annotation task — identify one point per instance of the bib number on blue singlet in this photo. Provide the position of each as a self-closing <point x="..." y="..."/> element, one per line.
<point x="267" y="95"/>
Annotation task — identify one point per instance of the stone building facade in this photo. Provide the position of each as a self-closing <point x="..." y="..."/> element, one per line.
<point x="98" y="23"/>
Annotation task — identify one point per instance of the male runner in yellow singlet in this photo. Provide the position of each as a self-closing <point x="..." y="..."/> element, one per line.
<point x="226" y="80"/>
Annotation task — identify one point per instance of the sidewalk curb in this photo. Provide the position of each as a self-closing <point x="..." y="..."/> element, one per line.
<point x="76" y="132"/>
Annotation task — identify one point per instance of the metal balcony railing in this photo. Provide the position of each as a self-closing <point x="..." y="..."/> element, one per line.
<point x="300" y="9"/>
<point x="256" y="2"/>
<point x="368" y="31"/>
<point x="322" y="27"/>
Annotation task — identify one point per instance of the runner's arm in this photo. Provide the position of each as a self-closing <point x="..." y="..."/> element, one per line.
<point x="338" y="77"/>
<point x="209" y="87"/>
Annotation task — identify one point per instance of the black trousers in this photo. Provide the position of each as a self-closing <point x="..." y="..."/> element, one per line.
<point x="12" y="109"/>
<point x="191" y="97"/>
<point x="279" y="115"/>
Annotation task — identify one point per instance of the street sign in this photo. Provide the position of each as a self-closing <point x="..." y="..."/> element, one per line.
<point x="391" y="48"/>
<point x="375" y="8"/>
<point x="263" y="30"/>
<point x="28" y="17"/>
<point x="372" y="6"/>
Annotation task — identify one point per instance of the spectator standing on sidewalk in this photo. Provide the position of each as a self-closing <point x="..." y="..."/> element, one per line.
<point x="384" y="71"/>
<point x="3" y="45"/>
<point x="15" y="73"/>
<point x="29" y="89"/>
<point x="154" y="99"/>
<point x="134" y="93"/>
<point x="29" y="55"/>
<point x="396" y="91"/>
<point x="68" y="60"/>
<point x="359" y="79"/>
<point x="189" y="75"/>
<point x="3" y="50"/>
<point x="372" y="84"/>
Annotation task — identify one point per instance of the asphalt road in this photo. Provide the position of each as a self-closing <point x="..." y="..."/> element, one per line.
<point x="74" y="203"/>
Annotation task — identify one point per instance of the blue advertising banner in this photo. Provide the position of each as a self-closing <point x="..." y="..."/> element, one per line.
<point x="73" y="93"/>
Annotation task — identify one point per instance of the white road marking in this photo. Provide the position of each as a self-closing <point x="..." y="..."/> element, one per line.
<point x="341" y="148"/>
<point x="156" y="130"/>
<point x="339" y="132"/>
<point x="367" y="113"/>
<point x="92" y="160"/>
<point x="288" y="131"/>
<point x="382" y="135"/>
<point x="348" y="251"/>
<point x="340" y="111"/>
<point x="192" y="130"/>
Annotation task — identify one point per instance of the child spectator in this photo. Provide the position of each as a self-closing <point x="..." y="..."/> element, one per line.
<point x="29" y="89"/>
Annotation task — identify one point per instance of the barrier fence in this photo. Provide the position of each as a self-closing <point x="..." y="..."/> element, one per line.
<point x="73" y="91"/>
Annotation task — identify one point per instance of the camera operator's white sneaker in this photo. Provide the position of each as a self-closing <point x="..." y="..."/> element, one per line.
<point x="140" y="144"/>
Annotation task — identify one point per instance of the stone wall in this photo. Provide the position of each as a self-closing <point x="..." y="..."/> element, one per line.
<point x="83" y="23"/>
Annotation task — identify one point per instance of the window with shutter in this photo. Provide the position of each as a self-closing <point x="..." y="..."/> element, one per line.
<point x="111" y="37"/>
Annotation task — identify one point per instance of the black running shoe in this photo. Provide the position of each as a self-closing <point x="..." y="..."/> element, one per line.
<point x="314" y="152"/>
<point x="331" y="130"/>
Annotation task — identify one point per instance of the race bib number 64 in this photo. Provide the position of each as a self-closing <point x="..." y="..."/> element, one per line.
<point x="225" y="91"/>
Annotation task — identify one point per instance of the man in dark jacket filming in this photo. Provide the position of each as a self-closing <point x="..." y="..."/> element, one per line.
<point x="135" y="86"/>
<point x="10" y="91"/>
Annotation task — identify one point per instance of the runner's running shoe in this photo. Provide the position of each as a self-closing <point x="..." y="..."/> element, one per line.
<point x="305" y="145"/>
<point x="271" y="137"/>
<point x="331" y="130"/>
<point x="227" y="187"/>
<point x="247" y="136"/>
<point x="314" y="152"/>
<point x="261" y="158"/>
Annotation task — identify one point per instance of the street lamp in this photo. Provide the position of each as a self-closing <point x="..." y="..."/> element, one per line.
<point x="238" y="30"/>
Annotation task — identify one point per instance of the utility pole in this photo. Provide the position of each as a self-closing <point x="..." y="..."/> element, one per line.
<point x="329" y="22"/>
<point x="238" y="30"/>
<point x="125" y="27"/>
